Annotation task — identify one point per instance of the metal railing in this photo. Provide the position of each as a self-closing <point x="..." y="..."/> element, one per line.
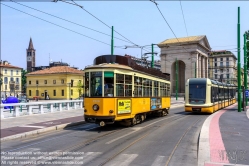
<point x="21" y="109"/>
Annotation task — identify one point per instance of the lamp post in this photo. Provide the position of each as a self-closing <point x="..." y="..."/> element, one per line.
<point x="238" y="65"/>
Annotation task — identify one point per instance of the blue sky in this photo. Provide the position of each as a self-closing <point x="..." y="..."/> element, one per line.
<point x="138" y="21"/>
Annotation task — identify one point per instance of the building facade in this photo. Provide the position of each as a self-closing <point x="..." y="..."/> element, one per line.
<point x="222" y="66"/>
<point x="11" y="77"/>
<point x="184" y="58"/>
<point x="57" y="83"/>
<point x="30" y="54"/>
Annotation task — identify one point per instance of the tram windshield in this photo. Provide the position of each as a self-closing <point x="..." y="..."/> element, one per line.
<point x="197" y="93"/>
<point x="96" y="84"/>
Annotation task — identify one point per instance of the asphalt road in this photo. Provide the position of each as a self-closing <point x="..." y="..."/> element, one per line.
<point x="158" y="141"/>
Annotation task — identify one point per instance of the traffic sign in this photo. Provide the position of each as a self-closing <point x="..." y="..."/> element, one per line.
<point x="247" y="93"/>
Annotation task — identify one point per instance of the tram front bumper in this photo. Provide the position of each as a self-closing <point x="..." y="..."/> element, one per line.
<point x="97" y="119"/>
<point x="208" y="109"/>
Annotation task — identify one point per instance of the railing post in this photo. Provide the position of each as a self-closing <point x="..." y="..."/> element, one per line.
<point x="74" y="105"/>
<point x="51" y="108"/>
<point x="2" y="115"/>
<point x="60" y="106"/>
<point x="68" y="106"/>
<point x="29" y="109"/>
<point x="81" y="104"/>
<point x="41" y="108"/>
<point x="16" y="108"/>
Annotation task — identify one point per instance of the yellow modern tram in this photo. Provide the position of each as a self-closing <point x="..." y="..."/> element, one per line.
<point x="123" y="93"/>
<point x="205" y="95"/>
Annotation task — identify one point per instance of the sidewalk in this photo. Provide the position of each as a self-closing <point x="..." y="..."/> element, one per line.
<point x="224" y="138"/>
<point x="23" y="126"/>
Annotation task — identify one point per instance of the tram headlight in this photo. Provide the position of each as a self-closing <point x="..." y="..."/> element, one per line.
<point x="95" y="107"/>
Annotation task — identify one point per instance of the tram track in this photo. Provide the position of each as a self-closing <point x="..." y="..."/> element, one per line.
<point x="142" y="137"/>
<point x="93" y="140"/>
<point x="81" y="145"/>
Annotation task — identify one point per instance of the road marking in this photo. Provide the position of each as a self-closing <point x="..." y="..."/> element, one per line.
<point x="159" y="161"/>
<point x="34" y="126"/>
<point x="89" y="156"/>
<point x="123" y="160"/>
<point x="56" y="137"/>
<point x="137" y="129"/>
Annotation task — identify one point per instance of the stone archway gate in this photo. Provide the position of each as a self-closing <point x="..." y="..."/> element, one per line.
<point x="191" y="54"/>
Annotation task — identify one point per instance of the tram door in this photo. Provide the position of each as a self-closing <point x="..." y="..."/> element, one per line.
<point x="109" y="83"/>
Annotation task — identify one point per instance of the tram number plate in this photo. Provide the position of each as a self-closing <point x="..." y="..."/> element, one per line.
<point x="196" y="109"/>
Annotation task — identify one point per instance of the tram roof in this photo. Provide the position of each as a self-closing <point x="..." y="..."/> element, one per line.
<point x="109" y="65"/>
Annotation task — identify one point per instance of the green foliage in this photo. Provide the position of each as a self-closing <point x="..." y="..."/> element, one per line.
<point x="24" y="80"/>
<point x="80" y="88"/>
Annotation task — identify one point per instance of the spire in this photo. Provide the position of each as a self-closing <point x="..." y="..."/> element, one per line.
<point x="31" y="44"/>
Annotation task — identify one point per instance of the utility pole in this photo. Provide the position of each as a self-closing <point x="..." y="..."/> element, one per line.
<point x="176" y="79"/>
<point x="239" y="68"/>
<point x="195" y="69"/>
<point x="245" y="65"/>
<point x="152" y="58"/>
<point x="112" y="43"/>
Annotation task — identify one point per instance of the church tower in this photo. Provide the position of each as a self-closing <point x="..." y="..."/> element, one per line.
<point x="30" y="56"/>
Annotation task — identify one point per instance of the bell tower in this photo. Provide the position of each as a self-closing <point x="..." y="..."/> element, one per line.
<point x="30" y="56"/>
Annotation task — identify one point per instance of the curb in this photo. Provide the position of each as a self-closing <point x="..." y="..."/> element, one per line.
<point x="40" y="131"/>
<point x="204" y="155"/>
<point x="204" y="146"/>
<point x="247" y="113"/>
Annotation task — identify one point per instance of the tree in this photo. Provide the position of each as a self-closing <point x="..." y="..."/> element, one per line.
<point x="79" y="87"/>
<point x="24" y="80"/>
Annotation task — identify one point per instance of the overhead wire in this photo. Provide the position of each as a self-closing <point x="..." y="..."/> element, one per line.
<point x="66" y="20"/>
<point x="98" y="20"/>
<point x="184" y="18"/>
<point x="168" y="24"/>
<point x="55" y="24"/>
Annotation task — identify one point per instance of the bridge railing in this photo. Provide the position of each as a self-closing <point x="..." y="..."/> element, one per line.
<point x="21" y="109"/>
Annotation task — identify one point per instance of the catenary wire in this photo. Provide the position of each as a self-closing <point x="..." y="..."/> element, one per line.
<point x="184" y="18"/>
<point x="99" y="20"/>
<point x="167" y="22"/>
<point x="56" y="24"/>
<point x="67" y="20"/>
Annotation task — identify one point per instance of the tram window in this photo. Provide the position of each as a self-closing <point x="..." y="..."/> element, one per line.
<point x="197" y="93"/>
<point x="161" y="89"/>
<point x="150" y="88"/>
<point x="86" y="84"/>
<point x="137" y="87"/>
<point x="96" y="84"/>
<point x="145" y="87"/>
<point x="168" y="90"/>
<point x="156" y="88"/>
<point x="128" y="85"/>
<point x="120" y="85"/>
<point x="108" y="83"/>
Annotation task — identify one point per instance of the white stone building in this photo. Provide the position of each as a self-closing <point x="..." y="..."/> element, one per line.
<point x="191" y="54"/>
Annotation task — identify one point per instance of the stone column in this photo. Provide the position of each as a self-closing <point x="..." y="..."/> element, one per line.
<point x="207" y="67"/>
<point x="199" y="66"/>
<point x="204" y="67"/>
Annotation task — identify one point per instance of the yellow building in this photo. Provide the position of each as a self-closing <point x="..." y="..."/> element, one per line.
<point x="57" y="83"/>
<point x="11" y="79"/>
